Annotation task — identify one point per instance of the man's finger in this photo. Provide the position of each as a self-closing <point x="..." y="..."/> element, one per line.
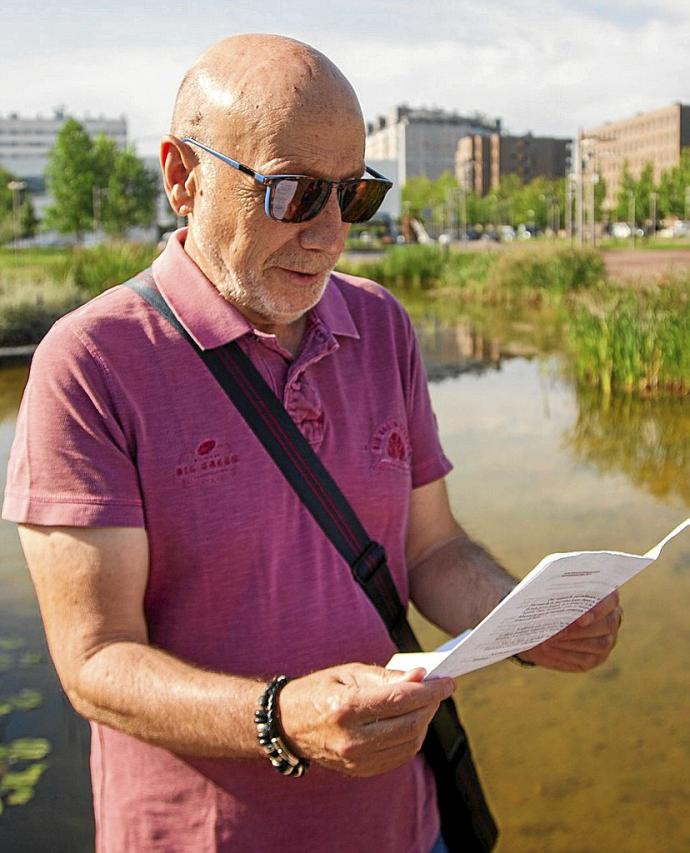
<point x="599" y="628"/>
<point x="404" y="697"/>
<point x="600" y="610"/>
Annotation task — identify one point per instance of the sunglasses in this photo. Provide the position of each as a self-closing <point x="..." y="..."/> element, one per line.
<point x="298" y="198"/>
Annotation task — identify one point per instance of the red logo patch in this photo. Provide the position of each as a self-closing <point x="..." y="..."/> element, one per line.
<point x="206" y="447"/>
<point x="390" y="446"/>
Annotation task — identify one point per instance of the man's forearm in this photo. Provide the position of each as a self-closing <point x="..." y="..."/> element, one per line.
<point x="153" y="696"/>
<point x="457" y="583"/>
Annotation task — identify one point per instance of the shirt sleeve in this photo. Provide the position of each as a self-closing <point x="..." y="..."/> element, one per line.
<point x="70" y="462"/>
<point x="429" y="462"/>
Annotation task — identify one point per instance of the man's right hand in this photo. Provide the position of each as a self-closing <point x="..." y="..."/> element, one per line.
<point x="360" y="720"/>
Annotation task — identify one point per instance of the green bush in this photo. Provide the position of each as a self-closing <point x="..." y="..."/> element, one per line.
<point x="543" y="269"/>
<point x="94" y="270"/>
<point x="28" y="310"/>
<point x="413" y="266"/>
<point x="469" y="271"/>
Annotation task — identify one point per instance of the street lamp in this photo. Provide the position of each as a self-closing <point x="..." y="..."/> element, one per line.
<point x="632" y="215"/>
<point x="16" y="188"/>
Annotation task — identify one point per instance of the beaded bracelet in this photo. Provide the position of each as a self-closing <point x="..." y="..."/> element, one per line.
<point x="266" y="720"/>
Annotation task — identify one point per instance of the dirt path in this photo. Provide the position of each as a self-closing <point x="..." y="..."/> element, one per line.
<point x="634" y="264"/>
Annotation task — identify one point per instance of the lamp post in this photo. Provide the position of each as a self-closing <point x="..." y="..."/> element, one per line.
<point x="631" y="215"/>
<point x="16" y="188"/>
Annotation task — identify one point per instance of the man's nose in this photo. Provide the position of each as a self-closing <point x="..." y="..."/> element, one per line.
<point x="325" y="231"/>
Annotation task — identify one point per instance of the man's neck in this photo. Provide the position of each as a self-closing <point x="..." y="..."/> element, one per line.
<point x="289" y="336"/>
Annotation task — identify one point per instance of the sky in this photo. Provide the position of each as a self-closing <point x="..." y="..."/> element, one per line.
<point x="549" y="67"/>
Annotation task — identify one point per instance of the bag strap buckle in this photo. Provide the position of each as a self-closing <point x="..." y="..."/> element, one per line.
<point x="368" y="563"/>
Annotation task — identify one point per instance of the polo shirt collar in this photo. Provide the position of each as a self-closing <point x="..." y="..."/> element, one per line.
<point x="213" y="321"/>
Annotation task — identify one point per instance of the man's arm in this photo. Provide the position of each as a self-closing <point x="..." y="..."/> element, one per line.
<point x="455" y="583"/>
<point x="90" y="584"/>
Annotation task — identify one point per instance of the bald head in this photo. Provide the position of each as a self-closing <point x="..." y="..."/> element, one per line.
<point x="257" y="84"/>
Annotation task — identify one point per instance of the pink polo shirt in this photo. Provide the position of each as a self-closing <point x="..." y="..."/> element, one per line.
<point x="122" y="425"/>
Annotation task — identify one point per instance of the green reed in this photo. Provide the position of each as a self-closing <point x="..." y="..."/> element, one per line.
<point x="629" y="341"/>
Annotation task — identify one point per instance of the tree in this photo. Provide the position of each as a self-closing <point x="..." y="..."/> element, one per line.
<point x="103" y="156"/>
<point x="674" y="188"/>
<point x="71" y="179"/>
<point x="94" y="184"/>
<point x="28" y="222"/>
<point x="626" y="189"/>
<point x="643" y="193"/>
<point x="132" y="194"/>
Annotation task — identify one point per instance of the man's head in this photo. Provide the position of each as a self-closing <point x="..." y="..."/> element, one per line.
<point x="280" y="107"/>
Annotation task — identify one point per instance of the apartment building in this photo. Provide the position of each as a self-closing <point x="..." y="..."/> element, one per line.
<point x="481" y="162"/>
<point x="655" y="137"/>
<point x="423" y="141"/>
<point x="26" y="142"/>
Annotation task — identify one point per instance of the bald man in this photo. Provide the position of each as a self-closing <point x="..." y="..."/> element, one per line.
<point x="175" y="569"/>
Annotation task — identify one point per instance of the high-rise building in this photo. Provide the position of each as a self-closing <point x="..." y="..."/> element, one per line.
<point x="422" y="141"/>
<point x="655" y="137"/>
<point x="481" y="162"/>
<point x="26" y="142"/>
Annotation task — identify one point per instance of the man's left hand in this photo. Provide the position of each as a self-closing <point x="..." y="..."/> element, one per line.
<point x="584" y="644"/>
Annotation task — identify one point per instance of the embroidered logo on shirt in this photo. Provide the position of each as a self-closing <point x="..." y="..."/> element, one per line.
<point x="210" y="458"/>
<point x="390" y="446"/>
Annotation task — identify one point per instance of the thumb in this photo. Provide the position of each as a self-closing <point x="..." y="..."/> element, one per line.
<point x="412" y="675"/>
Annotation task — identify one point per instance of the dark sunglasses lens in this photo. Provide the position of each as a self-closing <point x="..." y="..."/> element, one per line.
<point x="360" y="200"/>
<point x="298" y="199"/>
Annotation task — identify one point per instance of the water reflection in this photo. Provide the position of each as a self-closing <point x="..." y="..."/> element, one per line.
<point x="12" y="382"/>
<point x="647" y="440"/>
<point x="450" y="349"/>
<point x="538" y="467"/>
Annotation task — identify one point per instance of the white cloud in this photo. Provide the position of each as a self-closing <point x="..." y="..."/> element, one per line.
<point x="549" y="68"/>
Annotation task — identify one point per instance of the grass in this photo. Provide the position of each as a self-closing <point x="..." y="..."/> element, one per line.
<point x="39" y="285"/>
<point x="616" y="338"/>
<point x="522" y="273"/>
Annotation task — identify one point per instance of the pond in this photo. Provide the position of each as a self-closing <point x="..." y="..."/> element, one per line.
<point x="571" y="763"/>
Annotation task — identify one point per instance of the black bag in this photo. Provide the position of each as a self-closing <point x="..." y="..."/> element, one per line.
<point x="467" y="825"/>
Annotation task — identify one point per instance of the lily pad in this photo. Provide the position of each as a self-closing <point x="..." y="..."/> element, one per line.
<point x="27" y="749"/>
<point x="22" y="778"/>
<point x="20" y="796"/>
<point x="26" y="700"/>
<point x="29" y="659"/>
<point x="6" y="662"/>
<point x="10" y="644"/>
<point x="6" y="708"/>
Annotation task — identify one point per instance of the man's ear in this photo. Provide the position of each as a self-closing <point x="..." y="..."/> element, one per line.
<point x="177" y="164"/>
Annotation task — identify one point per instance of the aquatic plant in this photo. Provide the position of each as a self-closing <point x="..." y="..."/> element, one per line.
<point x="631" y="341"/>
<point x="21" y="760"/>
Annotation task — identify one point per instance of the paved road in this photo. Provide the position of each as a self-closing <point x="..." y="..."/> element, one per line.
<point x="634" y="264"/>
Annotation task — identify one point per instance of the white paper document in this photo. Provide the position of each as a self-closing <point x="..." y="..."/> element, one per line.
<point x="555" y="593"/>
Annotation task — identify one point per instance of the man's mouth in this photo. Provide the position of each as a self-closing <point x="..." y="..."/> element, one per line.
<point x="301" y="276"/>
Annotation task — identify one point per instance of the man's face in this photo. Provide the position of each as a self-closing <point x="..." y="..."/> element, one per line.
<point x="273" y="271"/>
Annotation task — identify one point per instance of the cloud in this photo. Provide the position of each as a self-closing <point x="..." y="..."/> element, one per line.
<point x="550" y="67"/>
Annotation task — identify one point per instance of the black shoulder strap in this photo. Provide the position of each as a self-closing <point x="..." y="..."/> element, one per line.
<point x="302" y="468"/>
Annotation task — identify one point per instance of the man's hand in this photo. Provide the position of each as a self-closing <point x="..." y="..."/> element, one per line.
<point x="584" y="644"/>
<point x="360" y="720"/>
